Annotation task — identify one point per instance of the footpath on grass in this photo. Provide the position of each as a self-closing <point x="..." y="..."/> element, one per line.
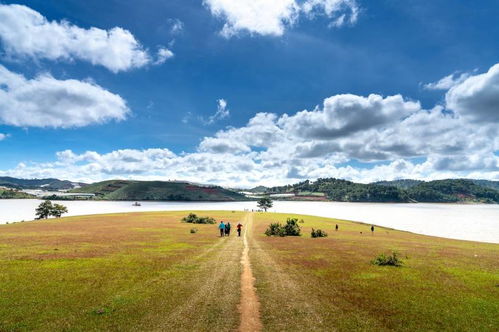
<point x="250" y="305"/>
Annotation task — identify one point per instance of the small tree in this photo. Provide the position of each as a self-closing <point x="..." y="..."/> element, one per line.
<point x="264" y="203"/>
<point x="44" y="210"/>
<point x="47" y="209"/>
<point x="58" y="210"/>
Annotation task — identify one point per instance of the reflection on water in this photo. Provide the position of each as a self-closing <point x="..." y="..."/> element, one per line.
<point x="466" y="221"/>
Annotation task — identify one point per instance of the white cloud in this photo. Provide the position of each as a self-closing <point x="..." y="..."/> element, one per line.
<point x="47" y="102"/>
<point x="222" y="112"/>
<point x="344" y="115"/>
<point x="163" y="55"/>
<point x="177" y="26"/>
<point x="222" y="145"/>
<point x="477" y="97"/>
<point x="25" y="32"/>
<point x="3" y="136"/>
<point x="340" y="11"/>
<point x="266" y="17"/>
<point x="394" y="137"/>
<point x="447" y="82"/>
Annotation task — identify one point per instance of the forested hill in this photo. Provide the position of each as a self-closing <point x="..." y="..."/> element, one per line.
<point x="452" y="190"/>
<point x="403" y="184"/>
<point x="158" y="191"/>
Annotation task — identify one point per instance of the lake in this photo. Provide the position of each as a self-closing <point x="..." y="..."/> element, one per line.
<point x="475" y="222"/>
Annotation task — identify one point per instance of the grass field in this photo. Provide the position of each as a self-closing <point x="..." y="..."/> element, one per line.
<point x="147" y="272"/>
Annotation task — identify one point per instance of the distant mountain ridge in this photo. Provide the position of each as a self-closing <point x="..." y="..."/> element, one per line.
<point x="45" y="184"/>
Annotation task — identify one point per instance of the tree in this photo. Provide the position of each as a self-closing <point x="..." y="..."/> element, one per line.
<point x="58" y="210"/>
<point x="264" y="203"/>
<point x="44" y="210"/>
<point x="47" y="209"/>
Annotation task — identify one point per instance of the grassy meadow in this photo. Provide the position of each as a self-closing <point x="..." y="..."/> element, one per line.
<point x="119" y="272"/>
<point x="147" y="272"/>
<point x="322" y="284"/>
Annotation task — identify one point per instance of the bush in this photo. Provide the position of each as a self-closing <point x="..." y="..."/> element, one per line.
<point x="318" y="233"/>
<point x="194" y="230"/>
<point x="192" y="218"/>
<point x="291" y="228"/>
<point x="275" y="229"/>
<point x="302" y="221"/>
<point x="390" y="260"/>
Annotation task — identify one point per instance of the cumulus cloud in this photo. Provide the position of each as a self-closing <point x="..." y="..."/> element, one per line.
<point x="359" y="138"/>
<point x="447" y="82"/>
<point x="477" y="97"/>
<point x="48" y="102"/>
<point x="265" y="17"/>
<point x="222" y="145"/>
<point x="344" y="115"/>
<point x="25" y="32"/>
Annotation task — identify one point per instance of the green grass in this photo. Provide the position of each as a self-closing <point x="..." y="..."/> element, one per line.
<point x="121" y="272"/>
<point x="330" y="282"/>
<point x="146" y="271"/>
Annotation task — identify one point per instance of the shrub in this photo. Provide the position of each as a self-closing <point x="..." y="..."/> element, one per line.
<point x="291" y="228"/>
<point x="302" y="221"/>
<point x="275" y="229"/>
<point x="192" y="218"/>
<point x="318" y="233"/>
<point x="390" y="260"/>
<point x="194" y="230"/>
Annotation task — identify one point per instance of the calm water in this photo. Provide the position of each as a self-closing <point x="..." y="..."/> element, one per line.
<point x="466" y="222"/>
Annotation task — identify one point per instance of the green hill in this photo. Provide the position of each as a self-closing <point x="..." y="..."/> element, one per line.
<point x="346" y="191"/>
<point x="488" y="184"/>
<point x="158" y="191"/>
<point x="451" y="190"/>
<point x="402" y="184"/>
<point x="8" y="193"/>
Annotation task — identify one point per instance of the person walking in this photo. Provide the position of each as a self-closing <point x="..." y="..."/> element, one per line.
<point x="221" y="227"/>
<point x="239" y="226"/>
<point x="227" y="229"/>
<point x="336" y="227"/>
<point x="372" y="229"/>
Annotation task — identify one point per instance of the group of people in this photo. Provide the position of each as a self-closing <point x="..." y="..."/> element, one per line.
<point x="225" y="228"/>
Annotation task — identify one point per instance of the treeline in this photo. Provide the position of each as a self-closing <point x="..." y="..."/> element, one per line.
<point x="13" y="194"/>
<point x="452" y="190"/>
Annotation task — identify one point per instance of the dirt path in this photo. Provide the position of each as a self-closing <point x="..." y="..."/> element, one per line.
<point x="249" y="306"/>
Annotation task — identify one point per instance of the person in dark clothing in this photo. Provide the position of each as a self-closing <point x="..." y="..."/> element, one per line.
<point x="227" y="229"/>
<point x="336" y="227"/>
<point x="239" y="226"/>
<point x="221" y="227"/>
<point x="372" y="229"/>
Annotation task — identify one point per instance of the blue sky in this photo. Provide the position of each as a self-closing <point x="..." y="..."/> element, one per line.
<point x="329" y="54"/>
